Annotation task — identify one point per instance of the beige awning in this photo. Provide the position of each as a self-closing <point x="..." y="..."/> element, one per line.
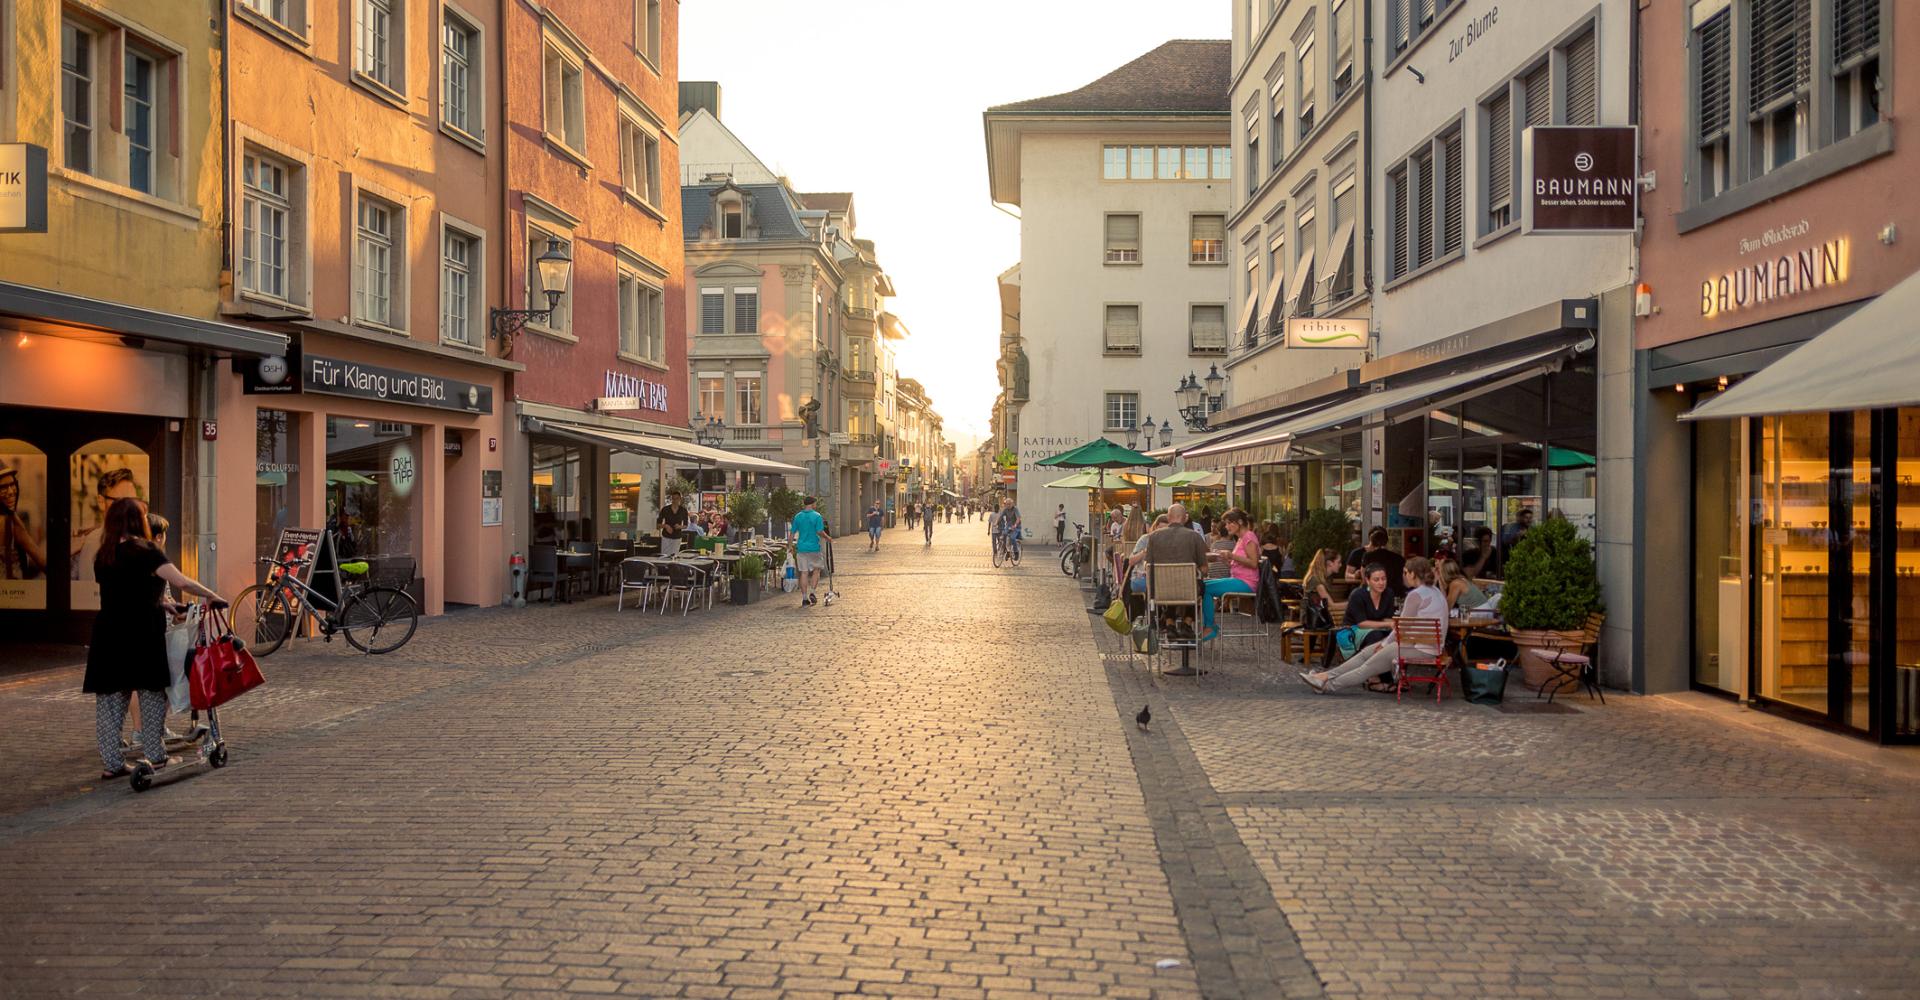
<point x="1866" y="361"/>
<point x="1340" y="248"/>
<point x="1275" y="313"/>
<point x="1272" y="443"/>
<point x="1245" y="325"/>
<point x="1301" y="270"/>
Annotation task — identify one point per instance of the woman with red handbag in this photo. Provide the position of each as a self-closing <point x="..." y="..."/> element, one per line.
<point x="129" y="648"/>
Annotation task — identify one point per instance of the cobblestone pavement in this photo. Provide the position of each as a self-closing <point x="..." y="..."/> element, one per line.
<point x="922" y="790"/>
<point x="934" y="788"/>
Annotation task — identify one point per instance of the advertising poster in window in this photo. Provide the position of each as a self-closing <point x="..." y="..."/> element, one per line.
<point x="23" y="526"/>
<point x="99" y="473"/>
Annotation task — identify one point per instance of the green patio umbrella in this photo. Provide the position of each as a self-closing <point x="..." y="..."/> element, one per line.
<point x="1567" y="458"/>
<point x="1101" y="454"/>
<point x="1195" y="478"/>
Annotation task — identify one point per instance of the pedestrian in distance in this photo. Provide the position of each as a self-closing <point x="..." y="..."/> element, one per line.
<point x="1060" y="525"/>
<point x="809" y="549"/>
<point x="926" y="521"/>
<point x="875" y="520"/>
<point x="129" y="648"/>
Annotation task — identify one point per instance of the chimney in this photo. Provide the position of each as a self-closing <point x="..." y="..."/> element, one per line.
<point x="697" y="94"/>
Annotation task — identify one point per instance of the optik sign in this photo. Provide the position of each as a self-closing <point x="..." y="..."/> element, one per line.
<point x="1580" y="180"/>
<point x="23" y="188"/>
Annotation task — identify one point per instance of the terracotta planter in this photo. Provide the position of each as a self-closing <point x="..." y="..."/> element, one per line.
<point x="1533" y="643"/>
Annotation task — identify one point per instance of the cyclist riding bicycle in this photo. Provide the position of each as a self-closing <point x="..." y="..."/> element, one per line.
<point x="1009" y="526"/>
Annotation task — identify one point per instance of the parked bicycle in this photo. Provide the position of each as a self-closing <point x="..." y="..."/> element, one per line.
<point x="1078" y="553"/>
<point x="374" y="619"/>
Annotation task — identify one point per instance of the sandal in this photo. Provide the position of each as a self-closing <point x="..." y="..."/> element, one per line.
<point x="126" y="770"/>
<point x="1381" y="687"/>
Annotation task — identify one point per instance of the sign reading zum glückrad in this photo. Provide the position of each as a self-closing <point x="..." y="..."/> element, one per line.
<point x="337" y="377"/>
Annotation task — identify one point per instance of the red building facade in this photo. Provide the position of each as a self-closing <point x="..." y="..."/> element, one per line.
<point x="592" y="151"/>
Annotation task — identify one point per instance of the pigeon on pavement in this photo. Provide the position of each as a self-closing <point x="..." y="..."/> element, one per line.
<point x="1144" y="717"/>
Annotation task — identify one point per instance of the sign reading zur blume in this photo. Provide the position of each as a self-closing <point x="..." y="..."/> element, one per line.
<point x="1579" y="179"/>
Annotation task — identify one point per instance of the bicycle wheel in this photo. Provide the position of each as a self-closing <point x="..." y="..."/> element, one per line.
<point x="379" y="619"/>
<point x="263" y="617"/>
<point x="1013" y="554"/>
<point x="999" y="553"/>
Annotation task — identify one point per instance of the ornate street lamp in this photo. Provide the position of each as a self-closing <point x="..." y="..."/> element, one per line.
<point x="1166" y="434"/>
<point x="710" y="432"/>
<point x="1201" y="398"/>
<point x="554" y="268"/>
<point x="1132" y="431"/>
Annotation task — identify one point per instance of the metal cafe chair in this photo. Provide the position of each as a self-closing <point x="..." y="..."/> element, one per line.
<point x="640" y="575"/>
<point x="682" y="579"/>
<point x="1415" y="667"/>
<point x="1172" y="587"/>
<point x="1572" y="662"/>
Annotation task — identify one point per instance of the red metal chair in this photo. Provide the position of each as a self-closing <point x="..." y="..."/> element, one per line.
<point x="1415" y="667"/>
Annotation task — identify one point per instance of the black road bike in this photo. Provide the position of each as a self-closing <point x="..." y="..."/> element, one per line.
<point x="373" y="619"/>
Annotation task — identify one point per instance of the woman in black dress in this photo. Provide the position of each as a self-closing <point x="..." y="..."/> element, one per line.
<point x="129" y="648"/>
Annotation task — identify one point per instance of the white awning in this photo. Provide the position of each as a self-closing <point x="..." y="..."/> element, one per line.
<point x="1275" y="289"/>
<point x="1864" y="362"/>
<point x="1301" y="270"/>
<point x="1273" y="443"/>
<point x="1247" y="309"/>
<point x="687" y="451"/>
<point x="1341" y="249"/>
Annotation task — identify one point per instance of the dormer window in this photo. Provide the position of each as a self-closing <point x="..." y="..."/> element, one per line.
<point x="732" y="226"/>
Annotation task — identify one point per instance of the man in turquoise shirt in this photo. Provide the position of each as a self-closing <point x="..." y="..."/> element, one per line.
<point x="810" y="557"/>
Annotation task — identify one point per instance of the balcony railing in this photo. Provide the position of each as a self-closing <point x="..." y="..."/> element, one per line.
<point x="860" y="312"/>
<point x="747" y="433"/>
<point x="864" y="440"/>
<point x="852" y="375"/>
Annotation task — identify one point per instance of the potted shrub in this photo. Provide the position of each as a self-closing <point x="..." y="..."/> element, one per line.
<point x="745" y="587"/>
<point x="782" y="504"/>
<point x="745" y="510"/>
<point x="1551" y="587"/>
<point x="1320" y="528"/>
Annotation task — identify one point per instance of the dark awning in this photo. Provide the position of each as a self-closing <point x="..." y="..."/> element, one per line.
<point x="61" y="314"/>
<point x="659" y="447"/>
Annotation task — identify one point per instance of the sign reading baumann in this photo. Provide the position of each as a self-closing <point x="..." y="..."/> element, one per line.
<point x="390" y="385"/>
<point x="1579" y="179"/>
<point x="23" y="188"/>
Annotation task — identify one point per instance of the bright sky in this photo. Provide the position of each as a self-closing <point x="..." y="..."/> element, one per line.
<point x="883" y="98"/>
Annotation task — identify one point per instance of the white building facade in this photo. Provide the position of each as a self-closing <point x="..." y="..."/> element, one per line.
<point x="1123" y="188"/>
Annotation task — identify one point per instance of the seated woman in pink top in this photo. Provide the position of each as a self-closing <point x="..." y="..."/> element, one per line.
<point x="1243" y="565"/>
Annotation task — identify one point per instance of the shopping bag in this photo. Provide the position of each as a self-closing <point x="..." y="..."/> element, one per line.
<point x="180" y="645"/>
<point x="222" y="667"/>
<point x="1486" y="684"/>
<point x="1116" y="618"/>
<point x="1146" y="641"/>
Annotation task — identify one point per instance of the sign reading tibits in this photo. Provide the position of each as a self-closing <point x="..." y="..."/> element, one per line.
<point x="1315" y="332"/>
<point x="1579" y="179"/>
<point x="23" y="188"/>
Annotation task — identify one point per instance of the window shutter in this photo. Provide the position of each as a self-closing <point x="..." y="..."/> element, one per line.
<point x="1123" y="328"/>
<point x="1500" y="151"/>
<point x="1400" y="14"/>
<point x="1397" y="265"/>
<point x="1123" y="232"/>
<point x="1422" y="209"/>
<point x="1583" y="93"/>
<point x="1537" y="90"/>
<point x="1780" y="63"/>
<point x="1452" y="203"/>
<point x="713" y="313"/>
<point x="1209" y="227"/>
<point x="1427" y="10"/>
<point x="1715" y="41"/>
<point x="1209" y="328"/>
<point x="1856" y="31"/>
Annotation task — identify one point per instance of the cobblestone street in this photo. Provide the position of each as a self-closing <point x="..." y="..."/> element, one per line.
<point x="935" y="788"/>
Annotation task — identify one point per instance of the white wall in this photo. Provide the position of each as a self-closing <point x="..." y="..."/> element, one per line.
<point x="1514" y="273"/>
<point x="1065" y="285"/>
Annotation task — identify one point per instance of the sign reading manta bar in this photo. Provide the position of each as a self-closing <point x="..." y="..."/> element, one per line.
<point x="1772" y="280"/>
<point x="337" y="377"/>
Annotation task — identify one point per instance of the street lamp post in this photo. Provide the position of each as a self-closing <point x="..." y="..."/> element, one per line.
<point x="1201" y="398"/>
<point x="554" y="268"/>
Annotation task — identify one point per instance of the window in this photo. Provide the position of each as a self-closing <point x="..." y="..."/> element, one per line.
<point x="1779" y="76"/>
<point x="1250" y="288"/>
<point x="1196" y="166"/>
<point x="1165" y="163"/>
<point x="1253" y="145"/>
<point x="288" y="14"/>
<point x="138" y="119"/>
<point x="376" y="234"/>
<point x="538" y="241"/>
<point x="1305" y="242"/>
<point x="746" y="310"/>
<point x="1114" y="163"/>
<point x="76" y="95"/>
<point x="1123" y="410"/>
<point x="1583" y="92"/>
<point x="646" y="29"/>
<point x="642" y="319"/>
<point x="1499" y="133"/>
<point x="460" y="261"/>
<point x="461" y="58"/>
<point x="1208" y="242"/>
<point x="1277" y="114"/>
<point x="1222" y="162"/>
<point x="1340" y="213"/>
<point x="1140" y="162"/>
<point x="712" y="401"/>
<point x="1340" y="35"/>
<point x="1308" y="73"/>
<point x="1421" y="169"/>
<point x="1426" y="196"/>
<point x="1170" y="160"/>
<point x="271" y="217"/>
<point x="1409" y="21"/>
<point x="1123" y="329"/>
<point x="1856" y="66"/>
<point x="1452" y="194"/>
<point x="746" y="399"/>
<point x="1123" y="239"/>
<point x="1207" y="330"/>
<point x="639" y="161"/>
<point x="566" y="113"/>
<point x="732" y="219"/>
<point x="378" y="44"/>
<point x="713" y="310"/>
<point x="1398" y="214"/>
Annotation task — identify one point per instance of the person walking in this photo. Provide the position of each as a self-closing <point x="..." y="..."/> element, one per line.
<point x="926" y="522"/>
<point x="809" y="549"/>
<point x="129" y="648"/>
<point x="875" y="519"/>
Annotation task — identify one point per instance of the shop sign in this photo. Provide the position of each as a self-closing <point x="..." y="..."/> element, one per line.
<point x="23" y="188"/>
<point x="1312" y="332"/>
<point x="631" y="392"/>
<point x="270" y="376"/>
<point x="1773" y="280"/>
<point x="338" y="377"/>
<point x="1580" y="180"/>
<point x="401" y="469"/>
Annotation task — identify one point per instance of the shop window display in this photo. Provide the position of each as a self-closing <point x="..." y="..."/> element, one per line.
<point x="1905" y="496"/>
<point x="276" y="481"/>
<point x="373" y="472"/>
<point x="23" y="526"/>
<point x="99" y="472"/>
<point x="558" y="506"/>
